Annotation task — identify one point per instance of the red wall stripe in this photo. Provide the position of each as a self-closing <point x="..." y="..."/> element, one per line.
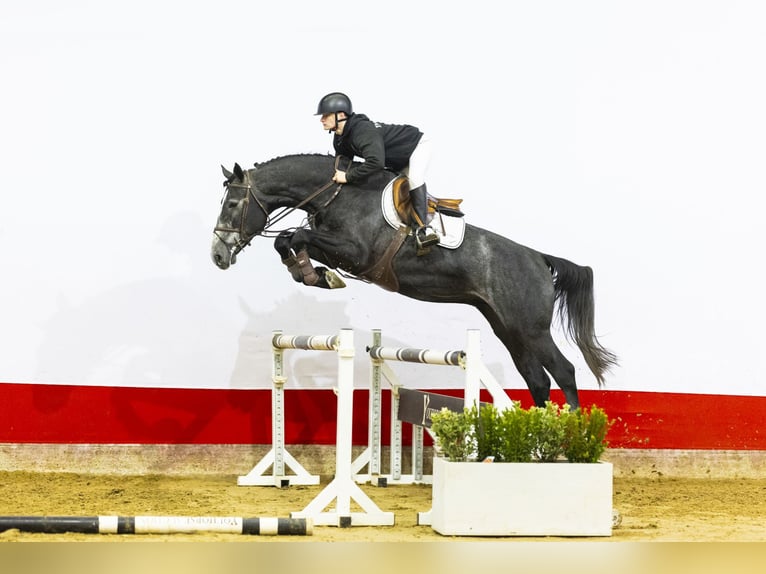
<point x="38" y="413"/>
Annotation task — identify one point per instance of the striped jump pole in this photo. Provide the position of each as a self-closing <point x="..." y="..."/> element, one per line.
<point x="379" y="354"/>
<point x="157" y="525"/>
<point x="372" y="455"/>
<point x="476" y="375"/>
<point x="469" y="360"/>
<point x="429" y="356"/>
<point x="305" y="342"/>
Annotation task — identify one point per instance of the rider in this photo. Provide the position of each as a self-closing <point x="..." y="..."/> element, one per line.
<point x="402" y="148"/>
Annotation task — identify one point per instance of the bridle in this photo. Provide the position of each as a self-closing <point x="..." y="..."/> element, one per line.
<point x="244" y="240"/>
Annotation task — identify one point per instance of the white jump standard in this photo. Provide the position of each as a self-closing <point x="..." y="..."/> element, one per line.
<point x="278" y="457"/>
<point x="343" y="489"/>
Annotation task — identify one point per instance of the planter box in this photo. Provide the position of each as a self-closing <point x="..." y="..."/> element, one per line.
<point x="521" y="499"/>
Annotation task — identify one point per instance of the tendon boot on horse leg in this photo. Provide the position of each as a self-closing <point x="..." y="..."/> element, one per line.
<point x="316" y="277"/>
<point x="308" y="273"/>
<point x="292" y="266"/>
<point x="282" y="245"/>
<point x="425" y="237"/>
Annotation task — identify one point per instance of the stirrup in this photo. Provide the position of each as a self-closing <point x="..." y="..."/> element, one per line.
<point x="425" y="237"/>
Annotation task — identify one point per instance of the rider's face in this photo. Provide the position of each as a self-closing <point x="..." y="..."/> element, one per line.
<point x="329" y="123"/>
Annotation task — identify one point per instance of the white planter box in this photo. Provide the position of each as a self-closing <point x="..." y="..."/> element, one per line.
<point x="521" y="499"/>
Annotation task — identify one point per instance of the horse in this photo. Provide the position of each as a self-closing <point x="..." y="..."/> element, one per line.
<point x="517" y="289"/>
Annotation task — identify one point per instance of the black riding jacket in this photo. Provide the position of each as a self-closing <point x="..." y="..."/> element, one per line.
<point x="380" y="145"/>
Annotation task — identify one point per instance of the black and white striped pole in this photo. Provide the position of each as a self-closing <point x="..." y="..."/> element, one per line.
<point x="157" y="525"/>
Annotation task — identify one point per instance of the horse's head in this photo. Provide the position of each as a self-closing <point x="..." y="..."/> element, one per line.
<point x="240" y="221"/>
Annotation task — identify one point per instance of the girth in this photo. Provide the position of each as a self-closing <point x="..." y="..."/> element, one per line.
<point x="382" y="273"/>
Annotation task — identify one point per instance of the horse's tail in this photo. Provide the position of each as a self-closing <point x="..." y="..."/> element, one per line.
<point x="573" y="295"/>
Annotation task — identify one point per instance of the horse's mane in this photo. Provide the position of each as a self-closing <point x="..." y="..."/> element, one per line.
<point x="376" y="181"/>
<point x="296" y="155"/>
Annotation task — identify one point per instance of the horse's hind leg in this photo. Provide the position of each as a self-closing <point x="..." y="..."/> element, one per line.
<point x="535" y="357"/>
<point x="554" y="361"/>
<point x="531" y="370"/>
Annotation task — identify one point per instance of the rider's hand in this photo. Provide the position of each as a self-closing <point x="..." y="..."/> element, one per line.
<point x="339" y="177"/>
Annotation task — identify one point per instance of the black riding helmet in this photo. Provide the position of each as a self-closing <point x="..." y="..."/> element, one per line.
<point x="334" y="103"/>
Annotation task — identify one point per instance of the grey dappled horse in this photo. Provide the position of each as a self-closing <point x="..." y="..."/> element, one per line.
<point x="514" y="287"/>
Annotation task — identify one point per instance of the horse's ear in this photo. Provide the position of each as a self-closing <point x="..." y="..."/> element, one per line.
<point x="226" y="173"/>
<point x="238" y="172"/>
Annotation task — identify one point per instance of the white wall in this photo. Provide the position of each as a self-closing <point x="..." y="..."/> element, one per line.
<point x="625" y="136"/>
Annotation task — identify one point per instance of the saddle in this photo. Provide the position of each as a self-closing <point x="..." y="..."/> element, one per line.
<point x="403" y="204"/>
<point x="382" y="272"/>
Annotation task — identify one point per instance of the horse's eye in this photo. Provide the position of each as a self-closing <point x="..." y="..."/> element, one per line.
<point x="232" y="203"/>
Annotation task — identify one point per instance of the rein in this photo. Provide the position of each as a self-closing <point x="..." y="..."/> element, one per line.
<point x="288" y="210"/>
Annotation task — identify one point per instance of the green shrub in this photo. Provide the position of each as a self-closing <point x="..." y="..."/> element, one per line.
<point x="516" y="438"/>
<point x="584" y="434"/>
<point x="455" y="433"/>
<point x="541" y="434"/>
<point x="547" y="432"/>
<point x="486" y="421"/>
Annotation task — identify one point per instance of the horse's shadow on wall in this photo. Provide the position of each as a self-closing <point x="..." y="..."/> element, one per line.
<point x="167" y="332"/>
<point x="152" y="333"/>
<point x="301" y="313"/>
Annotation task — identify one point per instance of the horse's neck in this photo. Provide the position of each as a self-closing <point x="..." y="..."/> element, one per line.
<point x="292" y="181"/>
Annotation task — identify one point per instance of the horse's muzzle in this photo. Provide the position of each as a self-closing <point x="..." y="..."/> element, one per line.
<point x="222" y="256"/>
<point x="220" y="262"/>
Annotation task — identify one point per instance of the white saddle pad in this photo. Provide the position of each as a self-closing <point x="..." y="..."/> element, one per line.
<point x="449" y="228"/>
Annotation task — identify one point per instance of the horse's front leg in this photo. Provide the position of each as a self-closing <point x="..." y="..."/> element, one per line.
<point x="294" y="255"/>
<point x="282" y="245"/>
<point x="323" y="277"/>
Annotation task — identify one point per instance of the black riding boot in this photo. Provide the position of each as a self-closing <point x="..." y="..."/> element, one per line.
<point x="425" y="237"/>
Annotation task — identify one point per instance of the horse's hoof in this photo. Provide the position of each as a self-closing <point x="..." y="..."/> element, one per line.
<point x="333" y="281"/>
